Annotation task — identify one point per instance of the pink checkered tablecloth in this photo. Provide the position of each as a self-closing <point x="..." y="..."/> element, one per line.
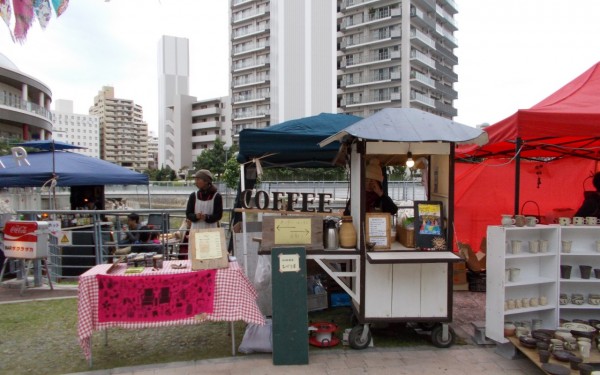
<point x="234" y="299"/>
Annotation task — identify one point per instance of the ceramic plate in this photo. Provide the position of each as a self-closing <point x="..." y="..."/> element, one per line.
<point x="578" y="327"/>
<point x="554" y="369"/>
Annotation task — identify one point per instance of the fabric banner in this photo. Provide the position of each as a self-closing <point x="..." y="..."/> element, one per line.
<point x="151" y="298"/>
<point x="5" y="11"/>
<point x="23" y="18"/>
<point x="43" y="12"/>
<point x="60" y="6"/>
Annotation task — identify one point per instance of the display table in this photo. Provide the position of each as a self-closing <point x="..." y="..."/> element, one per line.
<point x="231" y="296"/>
<point x="534" y="356"/>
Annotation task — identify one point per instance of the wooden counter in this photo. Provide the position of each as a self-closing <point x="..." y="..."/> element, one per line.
<point x="533" y="355"/>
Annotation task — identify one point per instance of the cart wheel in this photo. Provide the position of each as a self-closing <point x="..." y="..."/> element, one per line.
<point x="355" y="337"/>
<point x="437" y="339"/>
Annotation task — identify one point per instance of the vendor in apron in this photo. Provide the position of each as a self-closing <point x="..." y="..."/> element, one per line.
<point x="205" y="206"/>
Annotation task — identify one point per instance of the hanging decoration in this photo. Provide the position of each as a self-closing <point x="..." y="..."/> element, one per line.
<point x="25" y="11"/>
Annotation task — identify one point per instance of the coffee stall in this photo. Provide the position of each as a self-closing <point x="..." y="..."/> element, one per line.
<point x="393" y="282"/>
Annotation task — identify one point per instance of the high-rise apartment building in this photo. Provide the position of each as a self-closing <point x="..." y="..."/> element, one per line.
<point x="396" y="54"/>
<point x="173" y="82"/>
<point x="76" y="129"/>
<point x="283" y="57"/>
<point x="152" y="151"/>
<point x="123" y="132"/>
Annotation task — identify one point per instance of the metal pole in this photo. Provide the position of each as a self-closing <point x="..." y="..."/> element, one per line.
<point x="517" y="173"/>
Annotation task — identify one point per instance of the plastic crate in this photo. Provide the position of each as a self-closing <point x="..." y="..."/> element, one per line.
<point x="476" y="280"/>
<point x="317" y="302"/>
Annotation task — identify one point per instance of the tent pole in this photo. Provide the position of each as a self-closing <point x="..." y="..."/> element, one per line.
<point x="517" y="173"/>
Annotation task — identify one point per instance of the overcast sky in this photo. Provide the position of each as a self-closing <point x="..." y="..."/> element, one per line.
<point x="512" y="53"/>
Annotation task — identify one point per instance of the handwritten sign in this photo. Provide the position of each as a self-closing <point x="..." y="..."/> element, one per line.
<point x="207" y="249"/>
<point x="290" y="231"/>
<point x="378" y="230"/>
<point x="208" y="245"/>
<point x="289" y="263"/>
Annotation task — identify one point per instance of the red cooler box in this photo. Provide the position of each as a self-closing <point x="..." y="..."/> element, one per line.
<point x="26" y="239"/>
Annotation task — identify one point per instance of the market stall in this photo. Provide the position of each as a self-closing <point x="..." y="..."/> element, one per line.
<point x="396" y="283"/>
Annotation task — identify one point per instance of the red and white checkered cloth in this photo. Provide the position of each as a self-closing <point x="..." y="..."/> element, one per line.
<point x="235" y="299"/>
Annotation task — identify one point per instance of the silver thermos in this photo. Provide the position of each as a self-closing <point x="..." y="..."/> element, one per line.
<point x="330" y="237"/>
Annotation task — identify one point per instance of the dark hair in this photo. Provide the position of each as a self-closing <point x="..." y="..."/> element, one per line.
<point x="596" y="181"/>
<point x="133" y="216"/>
<point x="145" y="233"/>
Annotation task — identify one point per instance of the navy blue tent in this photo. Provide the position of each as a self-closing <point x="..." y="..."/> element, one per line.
<point x="295" y="143"/>
<point x="71" y="169"/>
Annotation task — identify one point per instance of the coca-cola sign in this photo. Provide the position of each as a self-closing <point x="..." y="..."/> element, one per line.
<point x="26" y="239"/>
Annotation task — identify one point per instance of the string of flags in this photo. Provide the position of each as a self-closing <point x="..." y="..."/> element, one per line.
<point x="26" y="11"/>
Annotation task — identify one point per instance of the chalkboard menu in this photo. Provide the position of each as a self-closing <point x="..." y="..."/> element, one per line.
<point x="429" y="231"/>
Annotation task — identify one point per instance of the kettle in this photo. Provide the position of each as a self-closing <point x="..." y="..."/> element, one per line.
<point x="330" y="235"/>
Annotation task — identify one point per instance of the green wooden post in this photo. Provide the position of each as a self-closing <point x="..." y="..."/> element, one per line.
<point x="290" y="313"/>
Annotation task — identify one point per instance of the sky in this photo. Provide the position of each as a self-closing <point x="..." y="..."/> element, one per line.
<point x="512" y="53"/>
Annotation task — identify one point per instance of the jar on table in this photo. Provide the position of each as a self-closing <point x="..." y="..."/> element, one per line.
<point x="347" y="233"/>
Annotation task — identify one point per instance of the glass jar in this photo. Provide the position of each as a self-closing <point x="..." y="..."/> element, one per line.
<point x="347" y="233"/>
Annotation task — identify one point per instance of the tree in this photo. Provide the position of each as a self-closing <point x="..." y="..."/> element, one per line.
<point x="215" y="159"/>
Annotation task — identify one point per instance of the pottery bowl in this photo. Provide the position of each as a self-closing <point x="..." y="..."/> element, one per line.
<point x="562" y="355"/>
<point x="528" y="342"/>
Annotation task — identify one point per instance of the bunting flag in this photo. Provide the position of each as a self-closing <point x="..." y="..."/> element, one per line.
<point x="6" y="14"/>
<point x="43" y="12"/>
<point x="23" y="18"/>
<point x="60" y="6"/>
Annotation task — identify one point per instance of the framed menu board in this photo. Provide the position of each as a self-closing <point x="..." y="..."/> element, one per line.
<point x="429" y="231"/>
<point x="377" y="230"/>
<point x="207" y="249"/>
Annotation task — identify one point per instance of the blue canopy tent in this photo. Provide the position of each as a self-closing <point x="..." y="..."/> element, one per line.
<point x="295" y="143"/>
<point x="71" y="169"/>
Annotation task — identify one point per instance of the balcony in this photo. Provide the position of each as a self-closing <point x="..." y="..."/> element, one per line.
<point x="250" y="114"/>
<point x="236" y="3"/>
<point x="421" y="18"/>
<point x="447" y="35"/>
<point x="11" y="100"/>
<point x="417" y="77"/>
<point x="360" y="60"/>
<point x="422" y="59"/>
<point x="373" y="99"/>
<point x="350" y="4"/>
<point x="246" y="16"/>
<point x="248" y="48"/>
<point x="240" y="99"/>
<point x="361" y="40"/>
<point x="240" y="66"/>
<point x="371" y="18"/>
<point x="446" y="109"/>
<point x="446" y="17"/>
<point x="371" y="79"/>
<point x="244" y="82"/>
<point x="421" y="39"/>
<point x="416" y="97"/>
<point x="446" y="90"/>
<point x="247" y="32"/>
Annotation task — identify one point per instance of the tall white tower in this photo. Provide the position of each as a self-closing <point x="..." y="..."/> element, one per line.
<point x="173" y="81"/>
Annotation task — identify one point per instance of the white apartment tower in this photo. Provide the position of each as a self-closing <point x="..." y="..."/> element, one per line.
<point x="396" y="54"/>
<point x="123" y="132"/>
<point x="76" y="129"/>
<point x="173" y="82"/>
<point x="283" y="57"/>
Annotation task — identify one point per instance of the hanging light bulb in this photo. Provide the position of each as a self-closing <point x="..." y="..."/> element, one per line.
<point x="410" y="162"/>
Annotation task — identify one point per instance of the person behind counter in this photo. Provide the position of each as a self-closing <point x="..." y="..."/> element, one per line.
<point x="146" y="242"/>
<point x="131" y="231"/>
<point x="205" y="207"/>
<point x="591" y="201"/>
<point x="375" y="198"/>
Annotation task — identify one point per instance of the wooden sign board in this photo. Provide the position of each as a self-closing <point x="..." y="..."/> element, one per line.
<point x="292" y="230"/>
<point x="378" y="230"/>
<point x="207" y="249"/>
<point x="429" y="231"/>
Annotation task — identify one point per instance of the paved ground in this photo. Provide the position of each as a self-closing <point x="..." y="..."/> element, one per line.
<point x="469" y="358"/>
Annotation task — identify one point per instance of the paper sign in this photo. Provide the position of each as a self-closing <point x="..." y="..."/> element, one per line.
<point x="289" y="262"/>
<point x="290" y="231"/>
<point x="208" y="245"/>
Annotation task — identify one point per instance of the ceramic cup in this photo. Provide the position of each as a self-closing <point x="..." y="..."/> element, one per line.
<point x="531" y="221"/>
<point x="520" y="220"/>
<point x="534" y="302"/>
<point x="507" y="275"/>
<point x="511" y="304"/>
<point x="584" y="349"/>
<point x="543" y="300"/>
<point x="525" y="302"/>
<point x="518" y="303"/>
<point x="515" y="246"/>
<point x="585" y="271"/>
<point x="591" y="220"/>
<point x="597" y="273"/>
<point x="566" y="246"/>
<point x="564" y="220"/>
<point x="544" y="356"/>
<point x="534" y="246"/>
<point x="578" y="220"/>
<point x="543" y="246"/>
<point x="514" y="274"/>
<point x="507" y="220"/>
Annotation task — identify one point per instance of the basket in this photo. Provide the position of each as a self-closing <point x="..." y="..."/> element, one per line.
<point x="537" y="206"/>
<point x="406" y="236"/>
<point x="477" y="281"/>
<point x="316" y="302"/>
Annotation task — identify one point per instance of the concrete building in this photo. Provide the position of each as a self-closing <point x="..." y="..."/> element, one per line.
<point x="152" y="151"/>
<point x="24" y="105"/>
<point x="123" y="132"/>
<point x="283" y="57"/>
<point x="397" y="54"/>
<point x="173" y="81"/>
<point x="76" y="129"/>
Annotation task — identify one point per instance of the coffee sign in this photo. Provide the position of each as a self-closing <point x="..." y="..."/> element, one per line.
<point x="286" y="201"/>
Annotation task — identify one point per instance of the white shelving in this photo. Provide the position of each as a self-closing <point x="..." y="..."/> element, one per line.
<point x="537" y="278"/>
<point x="539" y="275"/>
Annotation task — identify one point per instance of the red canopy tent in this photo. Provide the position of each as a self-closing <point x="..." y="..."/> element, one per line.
<point x="557" y="141"/>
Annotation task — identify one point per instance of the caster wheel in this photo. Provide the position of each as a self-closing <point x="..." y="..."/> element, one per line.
<point x="355" y="338"/>
<point x="437" y="339"/>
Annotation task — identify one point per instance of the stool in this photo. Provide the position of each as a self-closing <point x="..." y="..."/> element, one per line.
<point x="479" y="336"/>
